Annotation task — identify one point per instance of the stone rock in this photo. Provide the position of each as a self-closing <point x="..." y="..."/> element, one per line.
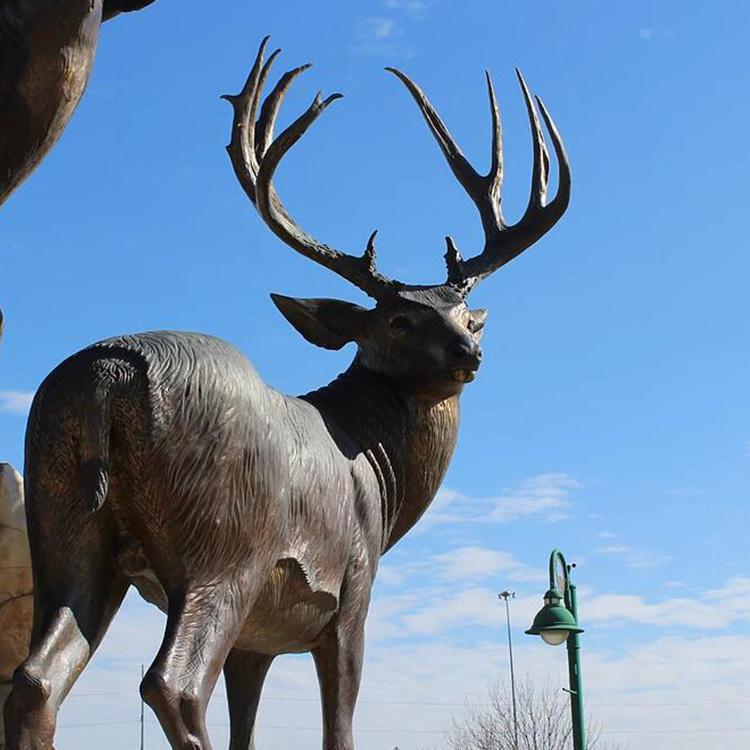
<point x="15" y="581"/>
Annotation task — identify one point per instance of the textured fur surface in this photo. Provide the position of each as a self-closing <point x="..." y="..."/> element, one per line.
<point x="232" y="464"/>
<point x="254" y="519"/>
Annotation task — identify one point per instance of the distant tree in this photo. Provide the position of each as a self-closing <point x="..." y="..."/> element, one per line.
<point x="543" y="722"/>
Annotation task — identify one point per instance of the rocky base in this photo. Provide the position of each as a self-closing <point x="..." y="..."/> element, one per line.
<point x="15" y="582"/>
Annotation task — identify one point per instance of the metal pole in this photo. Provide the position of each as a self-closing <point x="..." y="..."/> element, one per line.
<point x="142" y="717"/>
<point x="507" y="595"/>
<point x="574" y="672"/>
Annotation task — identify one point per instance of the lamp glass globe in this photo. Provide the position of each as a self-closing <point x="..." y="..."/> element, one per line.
<point x="554" y="637"/>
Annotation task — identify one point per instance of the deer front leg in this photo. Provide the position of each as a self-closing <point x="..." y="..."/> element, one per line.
<point x="244" y="675"/>
<point x="338" y="661"/>
<point x="338" y="656"/>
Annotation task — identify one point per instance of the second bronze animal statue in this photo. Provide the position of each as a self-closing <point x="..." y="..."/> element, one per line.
<point x="254" y="520"/>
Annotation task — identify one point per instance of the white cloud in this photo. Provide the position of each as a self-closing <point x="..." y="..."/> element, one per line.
<point x="715" y="609"/>
<point x="476" y="563"/>
<point x="733" y="597"/>
<point x="443" y="611"/>
<point x="469" y="607"/>
<point x="607" y="535"/>
<point x="545" y="497"/>
<point x="674" y="613"/>
<point x="437" y="605"/>
<point x="390" y="575"/>
<point x="381" y="28"/>
<point x="381" y="36"/>
<point x="16" y="402"/>
<point x="648" y="33"/>
<point x="639" y="559"/>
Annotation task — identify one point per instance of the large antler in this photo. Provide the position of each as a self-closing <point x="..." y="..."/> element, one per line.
<point x="502" y="242"/>
<point x="255" y="156"/>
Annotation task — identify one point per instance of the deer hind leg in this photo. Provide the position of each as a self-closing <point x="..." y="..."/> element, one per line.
<point x="77" y="592"/>
<point x="202" y="626"/>
<point x="244" y="675"/>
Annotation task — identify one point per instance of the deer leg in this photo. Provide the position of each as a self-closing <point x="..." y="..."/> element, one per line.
<point x="69" y="623"/>
<point x="244" y="675"/>
<point x="338" y="661"/>
<point x="201" y="629"/>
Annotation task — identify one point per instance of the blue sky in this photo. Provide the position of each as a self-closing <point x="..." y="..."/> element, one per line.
<point x="610" y="417"/>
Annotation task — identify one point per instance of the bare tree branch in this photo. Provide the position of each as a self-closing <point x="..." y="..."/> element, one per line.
<point x="543" y="722"/>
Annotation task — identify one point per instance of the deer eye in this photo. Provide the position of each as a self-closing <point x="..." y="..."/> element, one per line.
<point x="400" y="324"/>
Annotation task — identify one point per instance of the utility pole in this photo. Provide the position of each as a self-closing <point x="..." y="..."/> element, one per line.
<point x="142" y="718"/>
<point x="505" y="595"/>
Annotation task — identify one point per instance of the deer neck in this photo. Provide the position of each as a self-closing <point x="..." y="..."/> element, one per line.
<point x="408" y="441"/>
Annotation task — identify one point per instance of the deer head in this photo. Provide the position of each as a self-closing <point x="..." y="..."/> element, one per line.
<point x="425" y="338"/>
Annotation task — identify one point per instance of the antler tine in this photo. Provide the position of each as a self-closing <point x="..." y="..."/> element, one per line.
<point x="251" y="125"/>
<point x="270" y="109"/>
<point x="483" y="190"/>
<point x="255" y="155"/>
<point x="268" y="203"/>
<point x="507" y="242"/>
<point x="556" y="207"/>
<point x="502" y="242"/>
<point x="241" y="147"/>
<point x="540" y="169"/>
<point x="497" y="166"/>
<point x="459" y="164"/>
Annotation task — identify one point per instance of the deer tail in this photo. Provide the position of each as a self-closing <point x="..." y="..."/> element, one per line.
<point x="96" y="448"/>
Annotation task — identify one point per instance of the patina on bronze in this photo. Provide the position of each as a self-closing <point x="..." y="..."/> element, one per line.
<point x="255" y="520"/>
<point x="47" y="50"/>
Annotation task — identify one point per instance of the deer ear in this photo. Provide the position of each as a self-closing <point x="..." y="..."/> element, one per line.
<point x="329" y="323"/>
<point x="478" y="318"/>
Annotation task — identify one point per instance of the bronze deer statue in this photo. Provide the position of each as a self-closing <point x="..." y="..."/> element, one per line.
<point x="253" y="519"/>
<point x="47" y="50"/>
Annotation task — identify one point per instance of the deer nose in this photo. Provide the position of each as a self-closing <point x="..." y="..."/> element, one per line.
<point x="467" y="352"/>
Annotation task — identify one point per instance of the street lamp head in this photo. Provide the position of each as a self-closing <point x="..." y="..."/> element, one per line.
<point x="506" y="595"/>
<point x="554" y="622"/>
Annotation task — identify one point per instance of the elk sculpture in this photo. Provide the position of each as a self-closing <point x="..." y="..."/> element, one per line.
<point x="253" y="519"/>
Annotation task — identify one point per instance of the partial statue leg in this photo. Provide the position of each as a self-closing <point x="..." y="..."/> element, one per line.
<point x="76" y="594"/>
<point x="244" y="675"/>
<point x="338" y="657"/>
<point x="338" y="661"/>
<point x="202" y="626"/>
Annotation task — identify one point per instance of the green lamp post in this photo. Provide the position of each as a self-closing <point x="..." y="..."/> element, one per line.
<point x="557" y="622"/>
